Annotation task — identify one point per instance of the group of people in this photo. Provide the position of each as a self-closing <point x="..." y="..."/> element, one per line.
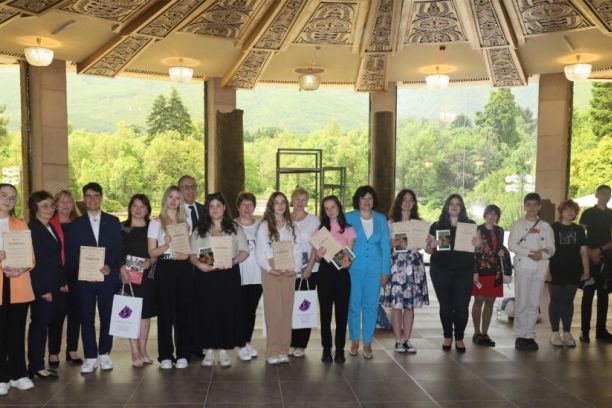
<point x="209" y="310"/>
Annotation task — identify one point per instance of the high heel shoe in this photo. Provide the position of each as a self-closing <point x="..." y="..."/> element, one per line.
<point x="53" y="364"/>
<point x="52" y="375"/>
<point x="354" y="348"/>
<point x="74" y="361"/>
<point x="447" y="347"/>
<point x="460" y="349"/>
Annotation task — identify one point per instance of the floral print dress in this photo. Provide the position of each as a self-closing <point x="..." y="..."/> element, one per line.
<point x="407" y="288"/>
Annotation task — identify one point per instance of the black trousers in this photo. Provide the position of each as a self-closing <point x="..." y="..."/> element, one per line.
<point x="66" y="306"/>
<point x="12" y="336"/>
<point x="250" y="295"/>
<point x="454" y="290"/>
<point x="334" y="291"/>
<point x="587" y="303"/>
<point x="561" y="306"/>
<point x="174" y="283"/>
<point x="41" y="313"/>
<point x="300" y="337"/>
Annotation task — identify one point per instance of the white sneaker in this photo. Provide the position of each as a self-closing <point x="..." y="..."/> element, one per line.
<point x="291" y="351"/>
<point x="165" y="364"/>
<point x="244" y="354"/>
<point x="106" y="363"/>
<point x="209" y="358"/>
<point x="568" y="340"/>
<point x="283" y="358"/>
<point x="4" y="388"/>
<point x="89" y="365"/>
<point x="274" y="360"/>
<point x="409" y="347"/>
<point x="181" y="363"/>
<point x="555" y="339"/>
<point x="224" y="360"/>
<point x="23" y="384"/>
<point x="253" y="352"/>
<point x="299" y="352"/>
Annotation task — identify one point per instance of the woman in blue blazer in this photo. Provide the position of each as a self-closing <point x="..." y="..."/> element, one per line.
<point x="370" y="268"/>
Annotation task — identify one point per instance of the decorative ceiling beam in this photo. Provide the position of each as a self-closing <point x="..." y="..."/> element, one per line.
<point x="248" y="69"/>
<point x="7" y="15"/>
<point x="273" y="25"/>
<point x="598" y="11"/>
<point x="382" y="28"/>
<point x="504" y="67"/>
<point x="117" y="11"/>
<point x="373" y="71"/>
<point x="32" y="8"/>
<point x="492" y="27"/>
<point x="169" y="19"/>
<point x="431" y="22"/>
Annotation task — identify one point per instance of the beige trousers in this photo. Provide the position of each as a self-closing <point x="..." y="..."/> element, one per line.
<point x="278" y="309"/>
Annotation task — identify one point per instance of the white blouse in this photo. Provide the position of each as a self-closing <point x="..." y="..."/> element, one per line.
<point x="305" y="230"/>
<point x="263" y="247"/>
<point x="250" y="272"/>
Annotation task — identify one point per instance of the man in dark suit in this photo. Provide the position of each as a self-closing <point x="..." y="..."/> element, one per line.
<point x="96" y="229"/>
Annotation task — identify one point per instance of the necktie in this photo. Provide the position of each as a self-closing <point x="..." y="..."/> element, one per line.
<point x="194" y="218"/>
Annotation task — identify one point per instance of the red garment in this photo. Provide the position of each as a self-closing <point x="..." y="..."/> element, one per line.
<point x="488" y="288"/>
<point x="55" y="221"/>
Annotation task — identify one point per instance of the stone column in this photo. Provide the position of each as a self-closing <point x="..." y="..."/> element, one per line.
<point x="553" y="147"/>
<point x="224" y="142"/>
<point x="44" y="127"/>
<point x="383" y="120"/>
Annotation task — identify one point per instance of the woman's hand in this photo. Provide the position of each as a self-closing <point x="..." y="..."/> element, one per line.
<point x="585" y="275"/>
<point x="536" y="255"/>
<point x="275" y="272"/>
<point x="306" y="274"/>
<point x="346" y="263"/>
<point x="167" y="239"/>
<point x="501" y="253"/>
<point x="2" y="255"/>
<point x="146" y="264"/>
<point x="384" y="279"/>
<point x="205" y="267"/>
<point x="64" y="289"/>
<point x="14" y="272"/>
<point x="48" y="297"/>
<point x="396" y="242"/>
<point x="124" y="275"/>
<point x="289" y="273"/>
<point x="476" y="281"/>
<point x="320" y="253"/>
<point x="476" y="241"/>
<point x="105" y="270"/>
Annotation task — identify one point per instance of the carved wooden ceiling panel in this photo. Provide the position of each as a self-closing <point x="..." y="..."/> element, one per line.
<point x="548" y="16"/>
<point x="373" y="72"/>
<point x="6" y="15"/>
<point x="118" y="11"/>
<point x="166" y="22"/>
<point x="276" y="33"/>
<point x="504" y="67"/>
<point x="224" y="19"/>
<point x="250" y="69"/>
<point x="33" y="6"/>
<point x="331" y="23"/>
<point x="488" y="25"/>
<point x="112" y="62"/>
<point x="434" y="22"/>
<point x="603" y="10"/>
<point x="382" y="32"/>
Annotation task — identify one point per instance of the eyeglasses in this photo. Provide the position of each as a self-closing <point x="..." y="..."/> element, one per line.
<point x="189" y="187"/>
<point x="8" y="198"/>
<point x="47" y="206"/>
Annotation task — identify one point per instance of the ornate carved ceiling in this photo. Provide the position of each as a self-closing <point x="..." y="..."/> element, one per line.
<point x="364" y="42"/>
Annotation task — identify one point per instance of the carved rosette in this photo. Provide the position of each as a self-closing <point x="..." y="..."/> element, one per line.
<point x="276" y="33"/>
<point x="490" y="32"/>
<point x="603" y="10"/>
<point x="434" y="22"/>
<point x="548" y="16"/>
<point x="166" y="22"/>
<point x="249" y="71"/>
<point x="504" y="67"/>
<point x="224" y="19"/>
<point x="113" y="61"/>
<point x="117" y="11"/>
<point x="33" y="6"/>
<point x="331" y="23"/>
<point x="372" y="75"/>
<point x="380" y="39"/>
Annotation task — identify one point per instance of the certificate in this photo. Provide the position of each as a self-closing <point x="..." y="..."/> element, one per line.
<point x="222" y="251"/>
<point x="18" y="248"/>
<point x="418" y="231"/>
<point x="400" y="230"/>
<point x="324" y="238"/>
<point x="179" y="234"/>
<point x="465" y="234"/>
<point x="283" y="255"/>
<point x="91" y="261"/>
<point x="443" y="238"/>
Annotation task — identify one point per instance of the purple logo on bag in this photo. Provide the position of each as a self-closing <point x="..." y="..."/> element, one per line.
<point x="125" y="313"/>
<point x="305" y="305"/>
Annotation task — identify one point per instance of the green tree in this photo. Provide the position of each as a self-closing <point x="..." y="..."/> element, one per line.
<point x="500" y="114"/>
<point x="157" y="119"/>
<point x="3" y="122"/>
<point x="169" y="114"/>
<point x="601" y="109"/>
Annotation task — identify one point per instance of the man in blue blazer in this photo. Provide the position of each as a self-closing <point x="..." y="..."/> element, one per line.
<point x="98" y="229"/>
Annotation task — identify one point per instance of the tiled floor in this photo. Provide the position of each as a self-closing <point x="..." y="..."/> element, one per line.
<point x="483" y="377"/>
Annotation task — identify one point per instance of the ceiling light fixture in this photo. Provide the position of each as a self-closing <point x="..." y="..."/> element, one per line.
<point x="437" y="81"/>
<point x="38" y="56"/>
<point x="180" y="73"/>
<point x="577" y="71"/>
<point x="310" y="78"/>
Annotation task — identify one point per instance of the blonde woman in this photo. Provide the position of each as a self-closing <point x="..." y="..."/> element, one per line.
<point x="173" y="283"/>
<point x="278" y="284"/>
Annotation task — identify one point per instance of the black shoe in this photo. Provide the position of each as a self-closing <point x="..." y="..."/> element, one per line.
<point x="485" y="340"/>
<point x="74" y="361"/>
<point x="521" y="344"/>
<point x="460" y="349"/>
<point x="584" y="338"/>
<point x="604" y="335"/>
<point x="476" y="338"/>
<point x="48" y="377"/>
<point x="326" y="357"/>
<point x="339" y="357"/>
<point x="532" y="345"/>
<point x="54" y="364"/>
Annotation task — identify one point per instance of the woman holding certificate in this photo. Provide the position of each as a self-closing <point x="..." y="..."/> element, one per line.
<point x="15" y="296"/>
<point x="407" y="289"/>
<point x="47" y="277"/>
<point x="307" y="225"/>
<point x="220" y="245"/>
<point x="135" y="265"/>
<point x="279" y="257"/>
<point x="168" y="241"/>
<point x="369" y="270"/>
<point x="452" y="270"/>
<point x="66" y="302"/>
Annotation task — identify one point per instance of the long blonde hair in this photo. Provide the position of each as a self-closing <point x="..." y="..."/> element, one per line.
<point x="181" y="214"/>
<point x="65" y="193"/>
<point x="273" y="234"/>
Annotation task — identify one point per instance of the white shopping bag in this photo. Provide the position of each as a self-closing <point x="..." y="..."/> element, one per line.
<point x="305" y="309"/>
<point x="126" y="316"/>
